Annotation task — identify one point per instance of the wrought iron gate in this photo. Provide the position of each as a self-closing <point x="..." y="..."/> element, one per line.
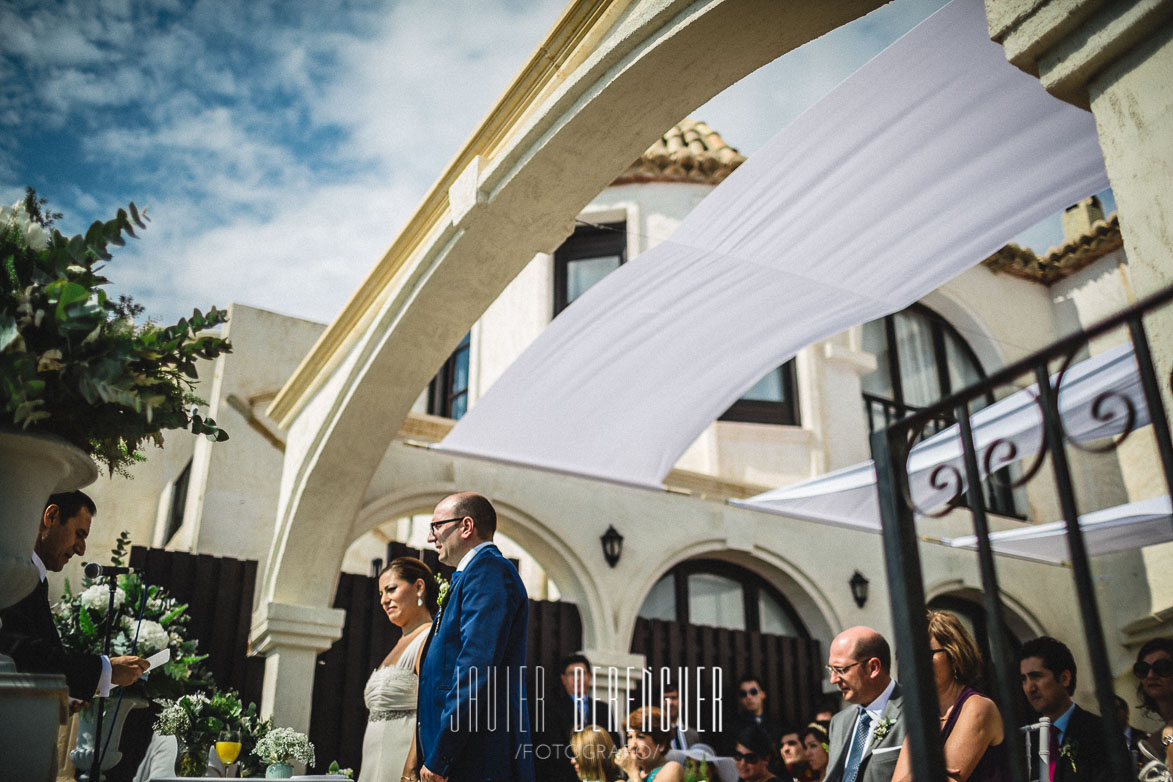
<point x="891" y="448"/>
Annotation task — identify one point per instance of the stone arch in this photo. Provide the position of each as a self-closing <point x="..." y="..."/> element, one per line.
<point x="1021" y="620"/>
<point x="989" y="350"/>
<point x="804" y="594"/>
<point x="534" y="165"/>
<point x="548" y="548"/>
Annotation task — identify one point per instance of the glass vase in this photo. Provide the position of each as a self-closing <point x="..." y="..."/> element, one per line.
<point x="192" y="759"/>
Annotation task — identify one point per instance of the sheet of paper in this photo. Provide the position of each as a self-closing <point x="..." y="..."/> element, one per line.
<point x="159" y="658"/>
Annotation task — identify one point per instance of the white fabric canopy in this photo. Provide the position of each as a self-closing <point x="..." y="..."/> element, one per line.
<point x="848" y="497"/>
<point x="922" y="163"/>
<point x="1122" y="528"/>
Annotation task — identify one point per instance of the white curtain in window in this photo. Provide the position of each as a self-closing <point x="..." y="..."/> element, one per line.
<point x="922" y="163"/>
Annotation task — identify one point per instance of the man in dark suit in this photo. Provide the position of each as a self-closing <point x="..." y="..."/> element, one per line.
<point x="27" y="632"/>
<point x="1078" y="750"/>
<point x="683" y="735"/>
<point x="1133" y="736"/>
<point x="473" y="724"/>
<point x="751" y="712"/>
<point x="571" y="710"/>
<point x="866" y="736"/>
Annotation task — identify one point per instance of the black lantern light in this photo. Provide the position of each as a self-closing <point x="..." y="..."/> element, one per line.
<point x="859" y="588"/>
<point x="612" y="545"/>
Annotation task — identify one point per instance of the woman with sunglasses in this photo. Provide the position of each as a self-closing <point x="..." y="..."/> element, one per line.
<point x="1154" y="675"/>
<point x="647" y="741"/>
<point x="753" y="755"/>
<point x="971" y="727"/>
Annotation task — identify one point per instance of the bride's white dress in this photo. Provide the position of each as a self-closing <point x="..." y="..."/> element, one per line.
<point x="390" y="696"/>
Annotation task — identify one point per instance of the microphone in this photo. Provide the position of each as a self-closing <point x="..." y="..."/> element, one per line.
<point x="94" y="570"/>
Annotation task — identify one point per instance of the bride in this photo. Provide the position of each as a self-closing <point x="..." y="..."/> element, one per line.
<point x="408" y="595"/>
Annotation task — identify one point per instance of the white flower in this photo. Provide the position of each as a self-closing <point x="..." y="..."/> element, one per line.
<point x="151" y="636"/>
<point x="97" y="598"/>
<point x="35" y="236"/>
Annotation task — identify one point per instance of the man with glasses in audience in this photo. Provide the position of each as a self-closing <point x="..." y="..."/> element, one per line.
<point x="866" y="736"/>
<point x="751" y="712"/>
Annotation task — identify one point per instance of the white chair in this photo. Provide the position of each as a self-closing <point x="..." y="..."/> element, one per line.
<point x="1043" y="728"/>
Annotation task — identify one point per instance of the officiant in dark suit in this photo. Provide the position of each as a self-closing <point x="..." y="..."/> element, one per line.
<point x="27" y="632"/>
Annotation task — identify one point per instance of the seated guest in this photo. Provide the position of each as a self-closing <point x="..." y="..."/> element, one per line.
<point x="754" y="755"/>
<point x="826" y="706"/>
<point x="971" y="727"/>
<point x="28" y="633"/>
<point x="1154" y="676"/>
<point x="572" y="708"/>
<point x="643" y="759"/>
<point x="1132" y="736"/>
<point x="793" y="754"/>
<point x="751" y="711"/>
<point x="859" y="661"/>
<point x="593" y="754"/>
<point x="1047" y="672"/>
<point x="683" y="736"/>
<point x="817" y="747"/>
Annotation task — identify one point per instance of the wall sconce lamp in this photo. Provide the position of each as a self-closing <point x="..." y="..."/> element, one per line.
<point x="612" y="545"/>
<point x="859" y="588"/>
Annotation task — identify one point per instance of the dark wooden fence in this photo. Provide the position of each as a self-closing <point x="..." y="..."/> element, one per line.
<point x="218" y="592"/>
<point x="790" y="669"/>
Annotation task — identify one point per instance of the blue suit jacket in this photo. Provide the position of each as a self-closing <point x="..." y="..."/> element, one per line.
<point x="473" y="722"/>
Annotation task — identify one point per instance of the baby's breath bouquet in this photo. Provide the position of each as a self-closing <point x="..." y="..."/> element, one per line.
<point x="196" y="720"/>
<point x="81" y="622"/>
<point x="285" y="745"/>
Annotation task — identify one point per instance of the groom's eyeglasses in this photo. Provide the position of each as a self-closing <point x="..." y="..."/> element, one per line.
<point x="435" y="525"/>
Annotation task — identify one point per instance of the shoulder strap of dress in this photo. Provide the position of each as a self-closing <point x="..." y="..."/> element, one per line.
<point x="955" y="711"/>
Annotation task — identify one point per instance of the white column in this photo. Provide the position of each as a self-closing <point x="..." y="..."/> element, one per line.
<point x="291" y="637"/>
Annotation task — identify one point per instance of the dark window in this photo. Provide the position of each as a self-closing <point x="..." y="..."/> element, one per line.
<point x="721" y="594"/>
<point x="921" y="359"/>
<point x="448" y="391"/>
<point x="590" y="254"/>
<point x="178" y="501"/>
<point x="772" y="400"/>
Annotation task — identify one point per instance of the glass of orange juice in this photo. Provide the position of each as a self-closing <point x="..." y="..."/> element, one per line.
<point x="228" y="748"/>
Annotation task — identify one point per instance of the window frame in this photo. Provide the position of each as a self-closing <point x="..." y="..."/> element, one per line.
<point x="760" y="411"/>
<point x="752" y="584"/>
<point x="441" y="393"/>
<point x="587" y="242"/>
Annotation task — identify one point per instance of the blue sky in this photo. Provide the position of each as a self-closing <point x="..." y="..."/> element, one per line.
<point x="280" y="146"/>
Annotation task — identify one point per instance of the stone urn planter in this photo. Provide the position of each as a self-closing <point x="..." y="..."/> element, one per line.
<point x="31" y="468"/>
<point x="31" y="705"/>
<point x="114" y="719"/>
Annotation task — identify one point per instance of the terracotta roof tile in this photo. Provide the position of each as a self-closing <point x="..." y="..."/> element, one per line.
<point x="1062" y="261"/>
<point x="690" y="152"/>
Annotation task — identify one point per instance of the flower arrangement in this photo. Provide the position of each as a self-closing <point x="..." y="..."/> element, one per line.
<point x="196" y="721"/>
<point x="73" y="363"/>
<point x="285" y="745"/>
<point x="696" y="771"/>
<point x="81" y="622"/>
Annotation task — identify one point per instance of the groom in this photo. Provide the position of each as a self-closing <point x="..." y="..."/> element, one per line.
<point x="473" y="723"/>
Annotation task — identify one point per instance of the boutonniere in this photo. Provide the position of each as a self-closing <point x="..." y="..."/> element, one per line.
<point x="1067" y="752"/>
<point x="442" y="596"/>
<point x="882" y="728"/>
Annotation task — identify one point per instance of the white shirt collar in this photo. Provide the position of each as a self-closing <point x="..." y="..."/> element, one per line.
<point x="472" y="553"/>
<point x="876" y="707"/>
<point x="40" y="566"/>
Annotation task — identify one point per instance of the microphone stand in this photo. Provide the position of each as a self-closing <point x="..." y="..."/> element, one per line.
<point x="96" y="760"/>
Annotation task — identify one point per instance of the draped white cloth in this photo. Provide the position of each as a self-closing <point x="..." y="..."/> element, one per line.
<point x="848" y="498"/>
<point x="923" y="162"/>
<point x="1122" y="528"/>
